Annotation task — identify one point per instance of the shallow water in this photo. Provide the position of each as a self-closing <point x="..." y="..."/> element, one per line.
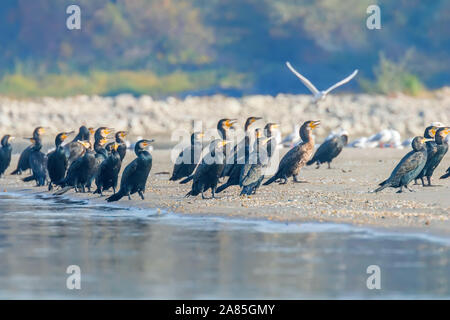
<point x="145" y="254"/>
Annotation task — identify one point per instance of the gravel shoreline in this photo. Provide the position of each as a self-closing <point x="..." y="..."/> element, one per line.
<point x="360" y="114"/>
<point x="339" y="195"/>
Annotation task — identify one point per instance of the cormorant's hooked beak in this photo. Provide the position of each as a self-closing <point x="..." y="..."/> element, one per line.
<point x="30" y="139"/>
<point x="11" y="138"/>
<point x="259" y="134"/>
<point x="426" y="140"/>
<point x="85" y="144"/>
<point x="275" y="126"/>
<point x="314" y="124"/>
<point x="446" y="131"/>
<point x="146" y="143"/>
<point x="123" y="134"/>
<point x="230" y="122"/>
<point x="433" y="131"/>
<point x="254" y="119"/>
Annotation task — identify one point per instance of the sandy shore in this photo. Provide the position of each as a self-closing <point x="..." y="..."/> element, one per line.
<point x="340" y="194"/>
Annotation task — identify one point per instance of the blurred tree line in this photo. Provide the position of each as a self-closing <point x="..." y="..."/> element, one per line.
<point x="236" y="47"/>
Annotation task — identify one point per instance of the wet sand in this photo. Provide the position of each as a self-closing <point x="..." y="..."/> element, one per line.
<point x="339" y="195"/>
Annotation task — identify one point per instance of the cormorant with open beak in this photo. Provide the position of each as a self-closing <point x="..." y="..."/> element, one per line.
<point x="5" y="153"/>
<point x="24" y="159"/>
<point x="296" y="158"/>
<point x="57" y="162"/>
<point x="409" y="167"/>
<point x="207" y="174"/>
<point x="135" y="175"/>
<point x="188" y="158"/>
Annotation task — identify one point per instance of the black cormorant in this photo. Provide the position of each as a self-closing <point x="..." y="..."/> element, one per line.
<point x="252" y="173"/>
<point x="207" y="173"/>
<point x="329" y="150"/>
<point x="135" y="175"/>
<point x="296" y="158"/>
<point x="223" y="126"/>
<point x="120" y="140"/>
<point x="75" y="150"/>
<point x="434" y="157"/>
<point x="431" y="146"/>
<point x="80" y="172"/>
<point x="108" y="172"/>
<point x="38" y="164"/>
<point x="24" y="162"/>
<point x="57" y="160"/>
<point x="5" y="153"/>
<point x="243" y="147"/>
<point x="408" y="168"/>
<point x="188" y="158"/>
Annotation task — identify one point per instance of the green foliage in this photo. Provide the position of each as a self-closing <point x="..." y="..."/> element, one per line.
<point x="391" y="77"/>
<point x="113" y="83"/>
<point x="238" y="45"/>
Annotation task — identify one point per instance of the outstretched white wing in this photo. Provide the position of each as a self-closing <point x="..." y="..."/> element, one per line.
<point x="305" y="81"/>
<point x="340" y="83"/>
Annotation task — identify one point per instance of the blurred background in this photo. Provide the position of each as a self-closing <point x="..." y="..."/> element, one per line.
<point x="234" y="47"/>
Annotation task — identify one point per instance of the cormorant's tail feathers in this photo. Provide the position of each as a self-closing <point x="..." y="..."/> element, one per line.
<point x="187" y="179"/>
<point x="445" y="176"/>
<point x="115" y="197"/>
<point x="15" y="172"/>
<point x="274" y="177"/>
<point x="222" y="187"/>
<point x="310" y="162"/>
<point x="62" y="191"/>
<point x="27" y="179"/>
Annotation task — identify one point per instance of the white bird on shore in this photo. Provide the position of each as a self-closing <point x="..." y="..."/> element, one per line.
<point x="320" y="95"/>
<point x="292" y="138"/>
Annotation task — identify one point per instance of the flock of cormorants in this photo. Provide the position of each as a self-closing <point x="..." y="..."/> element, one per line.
<point x="89" y="158"/>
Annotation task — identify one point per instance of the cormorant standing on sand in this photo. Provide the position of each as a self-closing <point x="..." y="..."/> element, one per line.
<point x="191" y="155"/>
<point x="408" y="168"/>
<point x="57" y="160"/>
<point x="207" y="174"/>
<point x="38" y="164"/>
<point x="75" y="150"/>
<point x="5" y="153"/>
<point x="431" y="146"/>
<point x="296" y="158"/>
<point x="120" y="140"/>
<point x="80" y="171"/>
<point x="242" y="146"/>
<point x="108" y="172"/>
<point x="329" y="150"/>
<point x="252" y="173"/>
<point x="24" y="162"/>
<point x="438" y="152"/>
<point x="135" y="175"/>
<point x="222" y="127"/>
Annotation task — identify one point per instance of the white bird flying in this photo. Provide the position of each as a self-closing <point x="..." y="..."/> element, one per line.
<point x="320" y="95"/>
